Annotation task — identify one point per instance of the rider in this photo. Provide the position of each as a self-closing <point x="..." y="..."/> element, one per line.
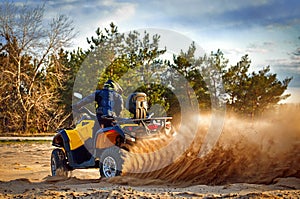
<point x="109" y="102"/>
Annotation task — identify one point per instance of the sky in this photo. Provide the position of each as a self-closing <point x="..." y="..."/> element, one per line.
<point x="267" y="30"/>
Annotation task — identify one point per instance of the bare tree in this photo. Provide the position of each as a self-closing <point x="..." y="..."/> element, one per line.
<point x="29" y="46"/>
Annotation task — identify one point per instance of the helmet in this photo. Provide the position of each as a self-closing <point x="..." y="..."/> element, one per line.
<point x="110" y="84"/>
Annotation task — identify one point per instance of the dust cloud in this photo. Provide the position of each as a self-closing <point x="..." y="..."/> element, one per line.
<point x="249" y="151"/>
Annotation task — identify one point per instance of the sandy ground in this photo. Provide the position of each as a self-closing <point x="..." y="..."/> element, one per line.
<point x="25" y="173"/>
<point x="250" y="160"/>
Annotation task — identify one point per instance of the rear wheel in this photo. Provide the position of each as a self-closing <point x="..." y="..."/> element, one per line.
<point x="111" y="162"/>
<point x="59" y="163"/>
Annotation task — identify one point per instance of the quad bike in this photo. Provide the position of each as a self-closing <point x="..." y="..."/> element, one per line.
<point x="88" y="146"/>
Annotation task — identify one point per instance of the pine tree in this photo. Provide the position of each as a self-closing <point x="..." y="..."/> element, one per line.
<point x="251" y="94"/>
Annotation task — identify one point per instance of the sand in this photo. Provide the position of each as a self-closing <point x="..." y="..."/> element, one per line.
<point x="258" y="159"/>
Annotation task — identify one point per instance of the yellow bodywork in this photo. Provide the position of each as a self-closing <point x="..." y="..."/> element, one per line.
<point x="81" y="133"/>
<point x="84" y="131"/>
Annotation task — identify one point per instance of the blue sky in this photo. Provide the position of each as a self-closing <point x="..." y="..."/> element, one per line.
<point x="267" y="30"/>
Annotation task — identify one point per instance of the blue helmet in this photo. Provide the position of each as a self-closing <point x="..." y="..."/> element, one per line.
<point x="110" y="84"/>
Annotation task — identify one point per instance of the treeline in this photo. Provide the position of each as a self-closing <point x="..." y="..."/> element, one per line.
<point x="38" y="76"/>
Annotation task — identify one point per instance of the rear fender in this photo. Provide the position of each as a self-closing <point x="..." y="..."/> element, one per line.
<point x="108" y="137"/>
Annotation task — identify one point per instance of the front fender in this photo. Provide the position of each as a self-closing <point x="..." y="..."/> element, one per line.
<point x="61" y="140"/>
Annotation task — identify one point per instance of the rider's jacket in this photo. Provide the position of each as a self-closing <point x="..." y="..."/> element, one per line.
<point x="109" y="102"/>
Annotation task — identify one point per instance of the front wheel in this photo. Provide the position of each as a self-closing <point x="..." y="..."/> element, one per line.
<point x="111" y="162"/>
<point x="59" y="163"/>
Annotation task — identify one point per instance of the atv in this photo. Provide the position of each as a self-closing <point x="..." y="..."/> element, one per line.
<point x="89" y="146"/>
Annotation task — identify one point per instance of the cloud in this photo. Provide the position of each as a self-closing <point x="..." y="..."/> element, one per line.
<point x="94" y="10"/>
<point x="203" y="15"/>
<point x="234" y="51"/>
<point x="218" y="15"/>
<point x="288" y="67"/>
<point x="296" y="53"/>
<point x="265" y="47"/>
<point x="210" y="17"/>
<point x="91" y="14"/>
<point x="293" y="63"/>
<point x="119" y="11"/>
